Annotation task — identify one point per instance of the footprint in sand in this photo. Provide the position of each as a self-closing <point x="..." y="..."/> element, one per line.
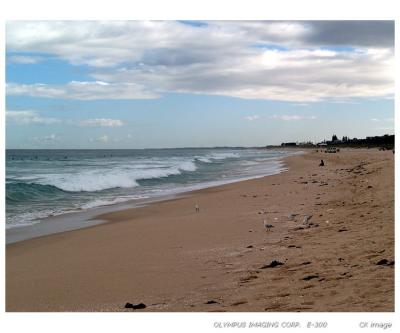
<point x="248" y="278"/>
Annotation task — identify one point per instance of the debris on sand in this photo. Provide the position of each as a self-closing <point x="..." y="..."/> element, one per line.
<point x="211" y="302"/>
<point x="274" y="263"/>
<point x="135" y="306"/>
<point x="310" y="277"/>
<point x="307" y="218"/>
<point x="385" y="262"/>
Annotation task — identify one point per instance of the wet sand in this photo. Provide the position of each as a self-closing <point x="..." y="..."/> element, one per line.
<point x="171" y="258"/>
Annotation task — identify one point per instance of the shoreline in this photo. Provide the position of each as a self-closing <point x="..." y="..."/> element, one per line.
<point x="173" y="259"/>
<point x="85" y="218"/>
<point x="75" y="220"/>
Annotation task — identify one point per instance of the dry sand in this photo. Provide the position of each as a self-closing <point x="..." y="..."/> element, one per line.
<point x="173" y="259"/>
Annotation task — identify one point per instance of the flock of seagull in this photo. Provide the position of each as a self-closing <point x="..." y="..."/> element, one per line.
<point x="269" y="226"/>
<point x="291" y="217"/>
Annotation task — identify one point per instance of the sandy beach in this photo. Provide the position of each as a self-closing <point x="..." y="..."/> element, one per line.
<point x="172" y="258"/>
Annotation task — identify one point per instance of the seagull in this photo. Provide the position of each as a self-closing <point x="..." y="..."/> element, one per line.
<point x="267" y="226"/>
<point x="197" y="208"/>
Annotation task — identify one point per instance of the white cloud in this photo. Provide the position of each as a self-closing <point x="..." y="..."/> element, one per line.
<point x="81" y="90"/>
<point x="101" y="122"/>
<point x="23" y="59"/>
<point x="251" y="118"/>
<point x="292" y="117"/>
<point x="103" y="139"/>
<point x="50" y="137"/>
<point x="382" y="119"/>
<point x="29" y="117"/>
<point x="47" y="138"/>
<point x="387" y="129"/>
<point x="142" y="59"/>
<point x="292" y="75"/>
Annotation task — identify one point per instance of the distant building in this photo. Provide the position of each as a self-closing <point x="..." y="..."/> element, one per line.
<point x="289" y="144"/>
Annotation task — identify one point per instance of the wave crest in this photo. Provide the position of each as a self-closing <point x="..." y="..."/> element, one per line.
<point x="20" y="191"/>
<point x="123" y="177"/>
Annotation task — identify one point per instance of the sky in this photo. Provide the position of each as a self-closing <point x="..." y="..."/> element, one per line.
<point x="164" y="84"/>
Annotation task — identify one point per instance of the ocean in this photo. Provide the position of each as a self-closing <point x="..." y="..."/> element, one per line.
<point x="46" y="183"/>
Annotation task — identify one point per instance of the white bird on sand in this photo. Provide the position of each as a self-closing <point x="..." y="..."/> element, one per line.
<point x="196" y="206"/>
<point x="267" y="226"/>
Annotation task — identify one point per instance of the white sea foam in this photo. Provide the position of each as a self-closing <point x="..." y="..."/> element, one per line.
<point x="29" y="218"/>
<point x="90" y="181"/>
<point x="204" y="159"/>
<point x="216" y="156"/>
<point x="187" y="166"/>
<point x="125" y="176"/>
<point x="113" y="201"/>
<point x="249" y="163"/>
<point x="223" y="156"/>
